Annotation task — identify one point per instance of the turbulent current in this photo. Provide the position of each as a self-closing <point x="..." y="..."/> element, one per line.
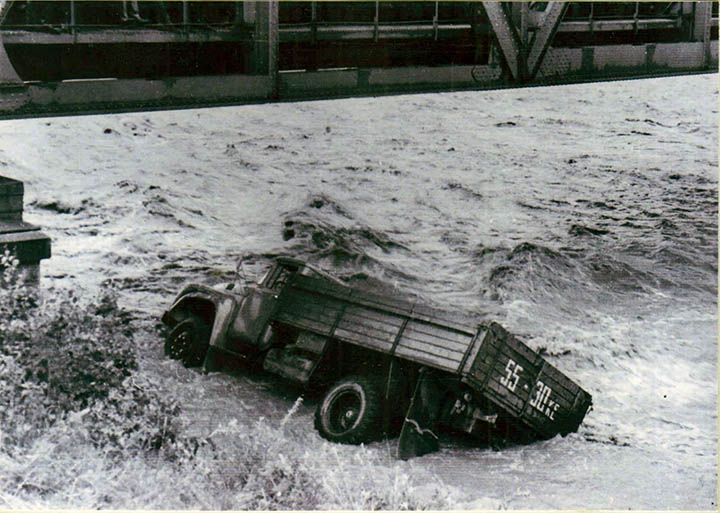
<point x="583" y="218"/>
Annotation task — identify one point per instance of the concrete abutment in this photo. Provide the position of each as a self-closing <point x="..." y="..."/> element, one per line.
<point x="22" y="240"/>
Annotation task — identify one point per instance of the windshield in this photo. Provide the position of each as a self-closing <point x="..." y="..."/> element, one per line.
<point x="279" y="274"/>
<point x="309" y="270"/>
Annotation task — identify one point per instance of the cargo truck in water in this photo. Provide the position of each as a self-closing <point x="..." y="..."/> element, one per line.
<point x="384" y="365"/>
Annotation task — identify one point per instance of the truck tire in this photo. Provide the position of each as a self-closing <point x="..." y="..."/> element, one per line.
<point x="350" y="411"/>
<point x="188" y="341"/>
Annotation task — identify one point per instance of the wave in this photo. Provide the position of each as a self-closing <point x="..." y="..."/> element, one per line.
<point x="535" y="272"/>
<point x="63" y="207"/>
<point x="323" y="230"/>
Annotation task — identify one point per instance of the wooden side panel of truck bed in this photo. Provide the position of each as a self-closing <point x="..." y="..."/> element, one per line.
<point x="375" y="322"/>
<point x="489" y="359"/>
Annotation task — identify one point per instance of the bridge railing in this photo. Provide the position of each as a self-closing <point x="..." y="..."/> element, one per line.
<point x="71" y="15"/>
<point x="68" y="15"/>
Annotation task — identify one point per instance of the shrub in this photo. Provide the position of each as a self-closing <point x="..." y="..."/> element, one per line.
<point x="59" y="355"/>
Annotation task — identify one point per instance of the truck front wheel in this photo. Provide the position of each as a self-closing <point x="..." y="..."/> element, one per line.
<point x="188" y="342"/>
<point x="350" y="411"/>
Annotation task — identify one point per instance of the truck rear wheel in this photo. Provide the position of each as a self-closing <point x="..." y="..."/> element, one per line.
<point x="350" y="411"/>
<point x="188" y="342"/>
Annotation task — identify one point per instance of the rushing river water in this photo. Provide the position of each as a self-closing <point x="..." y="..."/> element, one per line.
<point x="583" y="218"/>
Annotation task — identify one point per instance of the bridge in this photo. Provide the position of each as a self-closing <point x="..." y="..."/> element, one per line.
<point x="73" y="57"/>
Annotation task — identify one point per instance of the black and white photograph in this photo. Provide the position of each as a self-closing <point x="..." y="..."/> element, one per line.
<point x="358" y="255"/>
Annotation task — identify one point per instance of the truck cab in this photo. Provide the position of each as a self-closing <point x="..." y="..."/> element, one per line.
<point x="232" y="318"/>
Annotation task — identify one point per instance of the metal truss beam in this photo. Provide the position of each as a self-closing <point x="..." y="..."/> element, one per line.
<point x="8" y="75"/>
<point x="507" y="37"/>
<point x="544" y="35"/>
<point x="523" y="55"/>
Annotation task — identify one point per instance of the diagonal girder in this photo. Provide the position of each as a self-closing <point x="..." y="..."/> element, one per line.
<point x="524" y="61"/>
<point x="544" y="35"/>
<point x="8" y="75"/>
<point x="506" y="36"/>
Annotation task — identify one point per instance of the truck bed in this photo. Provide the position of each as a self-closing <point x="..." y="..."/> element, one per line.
<point x="516" y="379"/>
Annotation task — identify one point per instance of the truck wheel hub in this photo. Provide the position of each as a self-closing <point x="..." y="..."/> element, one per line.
<point x="345" y="411"/>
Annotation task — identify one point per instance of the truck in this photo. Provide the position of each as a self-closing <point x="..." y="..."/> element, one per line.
<point x="383" y="365"/>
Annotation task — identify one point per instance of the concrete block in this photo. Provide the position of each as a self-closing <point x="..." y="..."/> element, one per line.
<point x="100" y="91"/>
<point x="714" y="53"/>
<point x="87" y="92"/>
<point x="619" y="57"/>
<point x="10" y="186"/>
<point x="24" y="240"/>
<point x="449" y="76"/>
<point x="10" y="204"/>
<point x="40" y="95"/>
<point x="678" y="56"/>
<point x="13" y="99"/>
<point x="305" y="83"/>
<point x="10" y="217"/>
<point x="244" y="87"/>
<point x="28" y="246"/>
<point x="16" y="226"/>
<point x="11" y="199"/>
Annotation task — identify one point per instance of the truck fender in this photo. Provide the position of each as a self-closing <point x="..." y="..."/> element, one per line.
<point x="214" y="311"/>
<point x="199" y="304"/>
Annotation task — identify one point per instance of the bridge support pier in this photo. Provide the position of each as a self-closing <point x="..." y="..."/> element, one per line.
<point x="702" y="23"/>
<point x="266" y="38"/>
<point x="8" y="75"/>
<point x="23" y="240"/>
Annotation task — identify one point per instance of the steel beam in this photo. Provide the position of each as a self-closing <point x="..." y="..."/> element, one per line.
<point x="701" y="27"/>
<point x="273" y="44"/>
<point x="620" y="24"/>
<point x="142" y="35"/>
<point x="266" y="46"/>
<point x="701" y="21"/>
<point x="8" y="75"/>
<point x="522" y="54"/>
<point x="544" y="35"/>
<point x="505" y="35"/>
<point x="524" y="35"/>
<point x="249" y="12"/>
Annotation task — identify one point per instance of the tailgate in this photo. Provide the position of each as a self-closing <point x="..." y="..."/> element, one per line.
<point x="520" y="381"/>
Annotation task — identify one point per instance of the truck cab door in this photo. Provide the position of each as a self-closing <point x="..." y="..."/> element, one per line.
<point x="250" y="332"/>
<point x="250" y="325"/>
